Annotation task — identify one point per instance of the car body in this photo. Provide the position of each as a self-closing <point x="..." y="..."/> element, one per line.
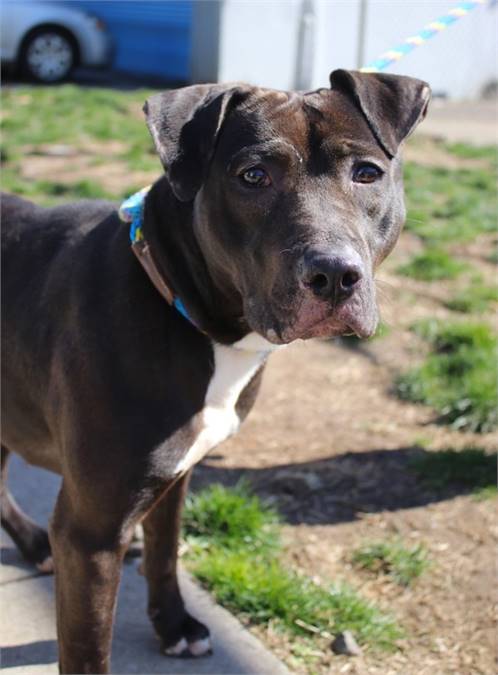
<point x="24" y="22"/>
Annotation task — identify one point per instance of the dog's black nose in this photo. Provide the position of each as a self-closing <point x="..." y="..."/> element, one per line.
<point x="335" y="277"/>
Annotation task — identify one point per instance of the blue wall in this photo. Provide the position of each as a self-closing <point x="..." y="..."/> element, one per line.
<point x="150" y="37"/>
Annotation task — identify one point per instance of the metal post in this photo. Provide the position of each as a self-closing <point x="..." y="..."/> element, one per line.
<point x="305" y="50"/>
<point x="362" y="27"/>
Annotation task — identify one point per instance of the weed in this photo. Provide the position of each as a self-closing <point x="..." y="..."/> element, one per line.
<point x="472" y="468"/>
<point x="403" y="563"/>
<point x="458" y="378"/>
<point x="431" y="265"/>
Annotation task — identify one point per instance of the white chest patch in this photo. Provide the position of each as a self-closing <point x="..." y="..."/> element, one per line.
<point x="234" y="367"/>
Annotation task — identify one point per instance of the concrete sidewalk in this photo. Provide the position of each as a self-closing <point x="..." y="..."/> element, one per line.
<point x="27" y="617"/>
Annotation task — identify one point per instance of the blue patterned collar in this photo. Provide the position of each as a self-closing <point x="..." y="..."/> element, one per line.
<point x="131" y="211"/>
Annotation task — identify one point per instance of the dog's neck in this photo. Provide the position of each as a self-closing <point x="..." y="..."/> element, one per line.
<point x="168" y="228"/>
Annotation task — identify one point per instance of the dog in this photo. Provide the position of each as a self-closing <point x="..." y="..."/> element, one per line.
<point x="124" y="364"/>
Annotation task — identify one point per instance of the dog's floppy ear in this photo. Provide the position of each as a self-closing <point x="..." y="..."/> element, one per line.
<point x="184" y="124"/>
<point x="393" y="105"/>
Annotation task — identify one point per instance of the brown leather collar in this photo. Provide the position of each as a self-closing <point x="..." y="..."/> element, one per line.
<point x="144" y="255"/>
<point x="142" y="250"/>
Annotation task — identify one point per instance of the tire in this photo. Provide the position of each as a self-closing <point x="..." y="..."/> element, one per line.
<point x="48" y="55"/>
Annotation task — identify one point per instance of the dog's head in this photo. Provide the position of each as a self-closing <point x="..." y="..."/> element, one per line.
<point x="297" y="197"/>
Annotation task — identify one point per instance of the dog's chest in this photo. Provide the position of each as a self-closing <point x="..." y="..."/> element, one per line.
<point x="233" y="370"/>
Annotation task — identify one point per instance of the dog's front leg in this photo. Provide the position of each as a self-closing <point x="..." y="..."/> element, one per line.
<point x="180" y="633"/>
<point x="87" y="573"/>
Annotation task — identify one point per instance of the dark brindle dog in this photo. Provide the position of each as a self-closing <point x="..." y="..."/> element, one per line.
<point x="274" y="212"/>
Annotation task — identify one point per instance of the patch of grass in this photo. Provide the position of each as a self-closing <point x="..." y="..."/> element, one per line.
<point x="489" y="492"/>
<point x="353" y="340"/>
<point x="467" y="151"/>
<point x="230" y="519"/>
<point x="235" y="550"/>
<point x="493" y="256"/>
<point x="432" y="264"/>
<point x="445" y="205"/>
<point x="71" y="114"/>
<point x="264" y="590"/>
<point x="403" y="563"/>
<point x="142" y="156"/>
<point x="476" y="298"/>
<point x="47" y="192"/>
<point x="459" y="376"/>
<point x="75" y="116"/>
<point x="472" y="468"/>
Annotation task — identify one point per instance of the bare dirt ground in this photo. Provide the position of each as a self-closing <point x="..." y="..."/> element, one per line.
<point x="329" y="443"/>
<point x="475" y="122"/>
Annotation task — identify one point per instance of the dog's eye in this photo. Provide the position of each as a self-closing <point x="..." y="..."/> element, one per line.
<point x="367" y="173"/>
<point x="256" y="177"/>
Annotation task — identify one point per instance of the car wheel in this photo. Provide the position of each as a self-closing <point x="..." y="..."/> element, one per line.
<point x="48" y="55"/>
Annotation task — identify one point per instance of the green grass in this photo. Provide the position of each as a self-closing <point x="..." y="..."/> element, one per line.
<point x="264" y="590"/>
<point x="235" y="550"/>
<point x="471" y="468"/>
<point x="230" y="519"/>
<point x="75" y="116"/>
<point x="403" y="563"/>
<point x="458" y="378"/>
<point x="432" y="264"/>
<point x="446" y="205"/>
<point x="485" y="493"/>
<point x="70" y="114"/>
<point x="353" y="340"/>
<point x="466" y="151"/>
<point x="475" y="298"/>
<point x="493" y="256"/>
<point x="50" y="192"/>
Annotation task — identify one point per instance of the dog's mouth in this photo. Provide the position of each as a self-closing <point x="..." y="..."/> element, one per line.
<point x="318" y="319"/>
<point x="302" y="315"/>
<point x="340" y="323"/>
<point x="349" y="318"/>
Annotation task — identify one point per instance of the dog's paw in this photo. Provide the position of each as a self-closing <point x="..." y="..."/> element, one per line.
<point x="195" y="640"/>
<point x="184" y="649"/>
<point x="201" y="647"/>
<point x="46" y="566"/>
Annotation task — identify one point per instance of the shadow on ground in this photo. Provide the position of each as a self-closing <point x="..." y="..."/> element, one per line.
<point x="30" y="654"/>
<point x="340" y="488"/>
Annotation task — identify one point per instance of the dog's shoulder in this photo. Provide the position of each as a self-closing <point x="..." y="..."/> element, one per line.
<point x="26" y="225"/>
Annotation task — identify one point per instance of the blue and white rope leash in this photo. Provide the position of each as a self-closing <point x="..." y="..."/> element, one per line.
<point x="428" y="32"/>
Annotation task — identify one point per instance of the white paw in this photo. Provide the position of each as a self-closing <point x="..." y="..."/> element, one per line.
<point x="179" y="649"/>
<point x="46" y="566"/>
<point x="200" y="647"/>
